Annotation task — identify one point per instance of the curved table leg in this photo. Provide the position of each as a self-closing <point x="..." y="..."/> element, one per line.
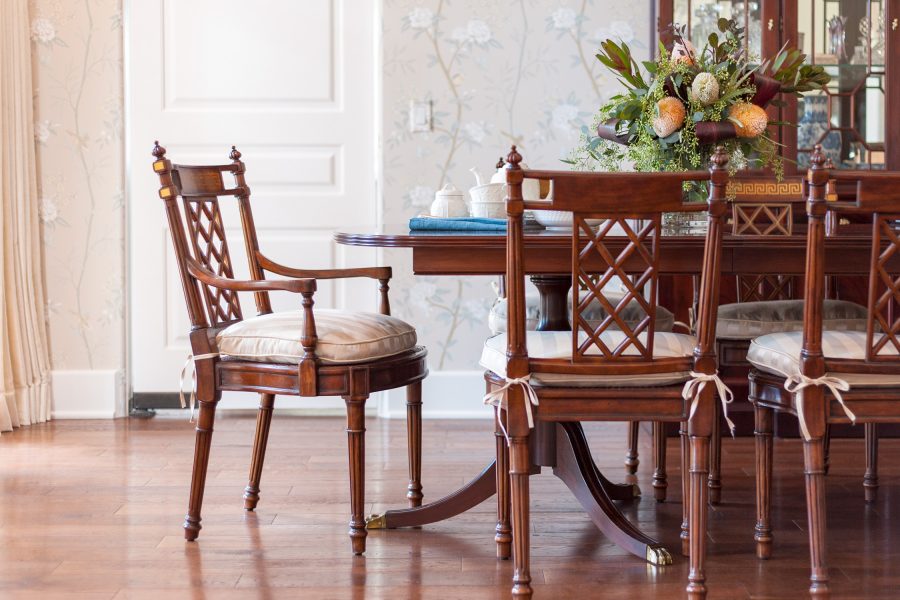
<point x="575" y="467"/>
<point x="472" y="494"/>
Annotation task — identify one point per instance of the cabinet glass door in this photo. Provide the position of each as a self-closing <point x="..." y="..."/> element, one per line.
<point x="701" y="18"/>
<point x="847" y="37"/>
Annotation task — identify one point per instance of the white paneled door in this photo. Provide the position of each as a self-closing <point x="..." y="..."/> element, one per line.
<point x="291" y="84"/>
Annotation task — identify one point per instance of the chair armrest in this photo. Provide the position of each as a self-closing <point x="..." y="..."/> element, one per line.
<point x="297" y="286"/>
<point x="370" y="272"/>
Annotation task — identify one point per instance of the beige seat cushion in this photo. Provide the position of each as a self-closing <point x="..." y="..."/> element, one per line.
<point x="344" y="337"/>
<point x="632" y="314"/>
<point x="779" y="354"/>
<point x="558" y="344"/>
<point x="747" y="320"/>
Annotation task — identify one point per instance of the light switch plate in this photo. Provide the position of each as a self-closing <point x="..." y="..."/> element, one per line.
<point x="420" y="116"/>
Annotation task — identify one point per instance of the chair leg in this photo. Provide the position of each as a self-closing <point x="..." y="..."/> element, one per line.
<point x="698" y="499"/>
<point x="519" y="473"/>
<point x="414" y="443"/>
<point x="715" y="458"/>
<point x="503" y="535"/>
<point x="631" y="453"/>
<point x="827" y="448"/>
<point x="201" y="462"/>
<point x="764" y="448"/>
<point x="356" y="446"/>
<point x="660" y="480"/>
<point x="260" y="440"/>
<point x="870" y="481"/>
<point x="685" y="489"/>
<point x="814" y="469"/>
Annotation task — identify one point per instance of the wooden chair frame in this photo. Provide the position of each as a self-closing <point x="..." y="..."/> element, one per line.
<point x="603" y="195"/>
<point x="210" y="290"/>
<point x="878" y="196"/>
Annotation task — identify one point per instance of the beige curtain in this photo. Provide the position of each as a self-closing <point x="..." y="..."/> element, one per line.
<point x="24" y="354"/>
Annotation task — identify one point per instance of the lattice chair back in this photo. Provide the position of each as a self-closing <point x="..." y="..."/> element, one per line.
<point x="764" y="208"/>
<point x="878" y="197"/>
<point x="199" y="237"/>
<point x="616" y="229"/>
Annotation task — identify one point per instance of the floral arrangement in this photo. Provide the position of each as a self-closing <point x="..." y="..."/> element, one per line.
<point x="691" y="101"/>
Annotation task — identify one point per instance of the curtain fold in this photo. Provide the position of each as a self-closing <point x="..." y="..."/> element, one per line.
<point x="25" y="394"/>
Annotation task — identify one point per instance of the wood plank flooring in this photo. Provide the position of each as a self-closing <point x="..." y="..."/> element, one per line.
<point x="93" y="510"/>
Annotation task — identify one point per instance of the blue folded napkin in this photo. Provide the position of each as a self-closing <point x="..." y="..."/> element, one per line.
<point x="456" y="224"/>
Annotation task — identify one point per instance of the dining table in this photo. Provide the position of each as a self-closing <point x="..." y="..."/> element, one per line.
<point x="547" y="261"/>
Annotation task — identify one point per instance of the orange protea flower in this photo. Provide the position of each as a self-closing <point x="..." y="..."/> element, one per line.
<point x="749" y="119"/>
<point x="671" y="116"/>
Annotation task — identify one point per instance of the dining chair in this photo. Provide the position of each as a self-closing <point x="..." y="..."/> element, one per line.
<point x="307" y="352"/>
<point x="825" y="376"/>
<point x="595" y="371"/>
<point x="763" y="208"/>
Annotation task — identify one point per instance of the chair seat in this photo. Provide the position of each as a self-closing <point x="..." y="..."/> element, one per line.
<point x="343" y="337"/>
<point x="558" y="344"/>
<point x="779" y="354"/>
<point x="632" y="314"/>
<point x="747" y="320"/>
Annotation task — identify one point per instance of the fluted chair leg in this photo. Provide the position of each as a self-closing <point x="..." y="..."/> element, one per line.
<point x="201" y="461"/>
<point x="814" y="470"/>
<point x="715" y="458"/>
<point x="260" y="441"/>
<point x="356" y="446"/>
<point x="631" y="453"/>
<point x="764" y="450"/>
<point x="503" y="531"/>
<point x="520" y="471"/>
<point x="660" y="479"/>
<point x="414" y="443"/>
<point x="870" y="480"/>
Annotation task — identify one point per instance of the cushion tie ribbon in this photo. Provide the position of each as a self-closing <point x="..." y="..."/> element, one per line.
<point x="190" y="364"/>
<point x="694" y="386"/>
<point x="795" y="384"/>
<point x="497" y="398"/>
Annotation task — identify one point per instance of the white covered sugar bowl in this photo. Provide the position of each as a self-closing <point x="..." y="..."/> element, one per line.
<point x="449" y="202"/>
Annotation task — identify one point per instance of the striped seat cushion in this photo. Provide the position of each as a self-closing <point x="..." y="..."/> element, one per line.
<point x="779" y="354"/>
<point x="558" y="344"/>
<point x="747" y="320"/>
<point x="344" y="337"/>
<point x="632" y="314"/>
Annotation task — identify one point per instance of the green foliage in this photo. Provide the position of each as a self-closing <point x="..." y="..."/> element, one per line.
<point x="636" y="107"/>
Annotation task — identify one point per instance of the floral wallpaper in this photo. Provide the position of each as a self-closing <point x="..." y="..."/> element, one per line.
<point x="498" y="72"/>
<point x="77" y="54"/>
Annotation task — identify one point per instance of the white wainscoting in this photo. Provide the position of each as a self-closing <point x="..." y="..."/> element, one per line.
<point x="445" y="395"/>
<point x="97" y="394"/>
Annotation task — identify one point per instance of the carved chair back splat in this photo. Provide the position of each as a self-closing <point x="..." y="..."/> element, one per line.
<point x="211" y="294"/>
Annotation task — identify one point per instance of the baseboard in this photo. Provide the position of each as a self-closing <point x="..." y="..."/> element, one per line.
<point x="89" y="394"/>
<point x="445" y="395"/>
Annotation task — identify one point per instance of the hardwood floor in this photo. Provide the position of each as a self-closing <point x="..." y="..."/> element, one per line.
<point x="93" y="509"/>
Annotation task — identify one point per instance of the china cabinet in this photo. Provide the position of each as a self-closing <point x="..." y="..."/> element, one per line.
<point x="858" y="43"/>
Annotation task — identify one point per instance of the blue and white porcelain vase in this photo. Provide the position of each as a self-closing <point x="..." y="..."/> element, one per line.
<point x="812" y="126"/>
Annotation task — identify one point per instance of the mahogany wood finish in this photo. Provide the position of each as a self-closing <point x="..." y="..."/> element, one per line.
<point x="592" y="253"/>
<point x="211" y="295"/>
<point x="878" y="198"/>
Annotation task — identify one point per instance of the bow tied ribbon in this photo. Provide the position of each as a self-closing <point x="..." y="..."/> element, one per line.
<point x="795" y="384"/>
<point x="694" y="387"/>
<point x="190" y="363"/>
<point x="497" y="398"/>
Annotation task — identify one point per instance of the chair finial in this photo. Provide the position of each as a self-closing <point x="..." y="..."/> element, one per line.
<point x="158" y="151"/>
<point x="513" y="159"/>
<point x="501" y="162"/>
<point x="817" y="160"/>
<point x="720" y="158"/>
<point x="235" y="154"/>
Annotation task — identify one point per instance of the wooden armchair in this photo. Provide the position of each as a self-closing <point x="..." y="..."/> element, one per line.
<point x="630" y="372"/>
<point x="825" y="376"/>
<point x="301" y="353"/>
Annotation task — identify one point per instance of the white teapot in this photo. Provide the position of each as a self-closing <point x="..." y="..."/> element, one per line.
<point x="449" y="202"/>
<point x="531" y="188"/>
